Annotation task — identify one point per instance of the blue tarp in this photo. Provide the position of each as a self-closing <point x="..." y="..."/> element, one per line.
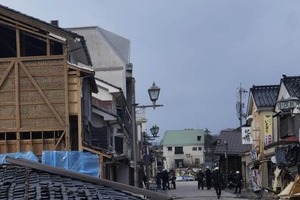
<point x="25" y="155"/>
<point x="77" y="161"/>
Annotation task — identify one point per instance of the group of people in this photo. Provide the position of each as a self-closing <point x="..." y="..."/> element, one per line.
<point x="163" y="180"/>
<point x="216" y="177"/>
<point x="212" y="178"/>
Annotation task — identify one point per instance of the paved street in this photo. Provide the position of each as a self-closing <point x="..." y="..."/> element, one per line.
<point x="188" y="190"/>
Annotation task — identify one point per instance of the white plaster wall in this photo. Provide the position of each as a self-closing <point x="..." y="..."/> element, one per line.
<point x="170" y="156"/>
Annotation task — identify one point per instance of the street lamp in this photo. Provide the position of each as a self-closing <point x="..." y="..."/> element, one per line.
<point x="154" y="131"/>
<point x="225" y="143"/>
<point x="153" y="92"/>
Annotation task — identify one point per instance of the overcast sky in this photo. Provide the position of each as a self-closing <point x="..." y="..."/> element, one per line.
<point x="197" y="51"/>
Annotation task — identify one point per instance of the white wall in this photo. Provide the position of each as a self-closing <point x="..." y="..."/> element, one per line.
<point x="188" y="160"/>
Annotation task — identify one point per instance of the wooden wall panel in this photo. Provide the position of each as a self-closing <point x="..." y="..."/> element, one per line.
<point x="32" y="98"/>
<point x="25" y="145"/>
<point x="11" y="146"/>
<point x="73" y="94"/>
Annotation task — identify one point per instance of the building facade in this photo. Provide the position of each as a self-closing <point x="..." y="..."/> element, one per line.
<point x="262" y="131"/>
<point x="183" y="149"/>
<point x="110" y="54"/>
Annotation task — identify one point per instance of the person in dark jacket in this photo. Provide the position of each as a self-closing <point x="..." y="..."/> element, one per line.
<point x="165" y="179"/>
<point x="208" y="178"/>
<point x="217" y="181"/>
<point x="200" y="176"/>
<point x="173" y="179"/>
<point x="158" y="180"/>
<point x="238" y="182"/>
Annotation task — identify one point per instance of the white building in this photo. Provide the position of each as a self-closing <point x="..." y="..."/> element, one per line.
<point x="183" y="148"/>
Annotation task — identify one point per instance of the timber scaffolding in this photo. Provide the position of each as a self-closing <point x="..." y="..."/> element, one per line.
<point x="135" y="191"/>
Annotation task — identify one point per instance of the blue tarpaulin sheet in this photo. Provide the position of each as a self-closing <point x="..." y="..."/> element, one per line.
<point x="82" y="162"/>
<point x="25" y="155"/>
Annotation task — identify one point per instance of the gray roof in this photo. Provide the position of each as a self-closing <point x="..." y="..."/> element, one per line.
<point x="47" y="182"/>
<point x="265" y="96"/>
<point x="234" y="139"/>
<point x="292" y="84"/>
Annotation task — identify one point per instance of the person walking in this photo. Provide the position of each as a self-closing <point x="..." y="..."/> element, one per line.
<point x="208" y="177"/>
<point x="158" y="181"/>
<point x="238" y="182"/>
<point x="173" y="179"/>
<point x="200" y="176"/>
<point x="165" y="179"/>
<point x="217" y="181"/>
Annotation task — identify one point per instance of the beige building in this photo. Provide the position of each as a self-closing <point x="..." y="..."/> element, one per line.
<point x="263" y="132"/>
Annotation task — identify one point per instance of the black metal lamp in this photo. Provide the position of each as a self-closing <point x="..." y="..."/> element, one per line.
<point x="154" y="130"/>
<point x="153" y="92"/>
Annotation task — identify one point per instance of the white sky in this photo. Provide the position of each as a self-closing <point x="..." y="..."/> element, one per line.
<point x="197" y="51"/>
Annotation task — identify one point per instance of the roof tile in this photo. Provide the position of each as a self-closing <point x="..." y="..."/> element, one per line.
<point x="265" y="96"/>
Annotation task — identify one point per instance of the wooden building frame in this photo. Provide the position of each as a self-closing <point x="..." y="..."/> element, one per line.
<point x="40" y="90"/>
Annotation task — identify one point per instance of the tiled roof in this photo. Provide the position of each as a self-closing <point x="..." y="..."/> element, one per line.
<point x="292" y="84"/>
<point x="234" y="139"/>
<point x="265" y="96"/>
<point x="24" y="178"/>
<point x="183" y="137"/>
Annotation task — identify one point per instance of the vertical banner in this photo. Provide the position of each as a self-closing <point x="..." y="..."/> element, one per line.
<point x="253" y="154"/>
<point x="246" y="135"/>
<point x="268" y="129"/>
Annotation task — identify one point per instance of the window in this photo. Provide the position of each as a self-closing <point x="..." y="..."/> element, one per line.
<point x="170" y="149"/>
<point x="178" y="150"/>
<point x="56" y="48"/>
<point x="288" y="125"/>
<point x="197" y="161"/>
<point x="178" y="163"/>
<point x="198" y="138"/>
<point x="194" y="148"/>
<point x="8" y="46"/>
<point x="199" y="148"/>
<point x="32" y="45"/>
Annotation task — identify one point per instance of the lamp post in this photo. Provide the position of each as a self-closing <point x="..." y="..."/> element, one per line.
<point x="225" y="143"/>
<point x="153" y="92"/>
<point x="154" y="131"/>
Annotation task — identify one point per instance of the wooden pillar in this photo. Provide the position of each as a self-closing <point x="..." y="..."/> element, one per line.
<point x="66" y="89"/>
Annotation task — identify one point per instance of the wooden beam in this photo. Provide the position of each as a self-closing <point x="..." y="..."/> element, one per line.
<point x="36" y="85"/>
<point x="66" y="92"/>
<point x="59" y="140"/>
<point x="96" y="152"/>
<point x="18" y="43"/>
<point x="3" y="78"/>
